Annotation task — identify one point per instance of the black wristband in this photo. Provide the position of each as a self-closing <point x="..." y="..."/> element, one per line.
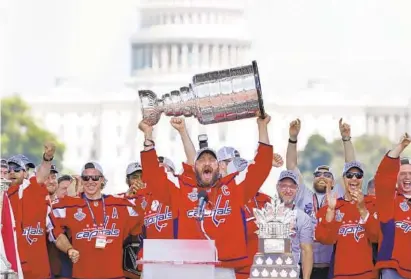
<point x="346" y="138"/>
<point x="150" y="141"/>
<point x="47" y="160"/>
<point x="292" y="141"/>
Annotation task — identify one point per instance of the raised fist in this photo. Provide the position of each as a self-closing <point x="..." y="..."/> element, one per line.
<point x="49" y="150"/>
<point x="295" y="127"/>
<point x="178" y="123"/>
<point x="405" y="140"/>
<point x="144" y="127"/>
<point x="345" y="129"/>
<point x="278" y="161"/>
<point x="263" y="121"/>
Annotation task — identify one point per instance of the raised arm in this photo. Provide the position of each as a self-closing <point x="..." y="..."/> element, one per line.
<point x="43" y="170"/>
<point x="251" y="179"/>
<point x="345" y="131"/>
<point x="291" y="155"/>
<point x="157" y="180"/>
<point x="386" y="180"/>
<point x="179" y="124"/>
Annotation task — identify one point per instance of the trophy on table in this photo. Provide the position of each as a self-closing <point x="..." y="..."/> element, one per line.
<point x="212" y="97"/>
<point x="274" y="259"/>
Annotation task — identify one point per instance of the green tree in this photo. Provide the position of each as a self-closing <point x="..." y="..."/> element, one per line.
<point x="20" y="134"/>
<point x="317" y="152"/>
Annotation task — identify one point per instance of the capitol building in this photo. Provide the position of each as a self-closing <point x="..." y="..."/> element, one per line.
<point x="176" y="40"/>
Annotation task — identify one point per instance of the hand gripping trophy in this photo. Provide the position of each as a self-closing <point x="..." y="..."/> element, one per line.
<point x="274" y="258"/>
<point x="5" y="267"/>
<point x="212" y="97"/>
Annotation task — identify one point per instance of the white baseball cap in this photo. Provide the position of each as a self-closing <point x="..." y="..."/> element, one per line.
<point x="166" y="161"/>
<point x="237" y="165"/>
<point x="205" y="150"/>
<point x="133" y="167"/>
<point x="227" y="153"/>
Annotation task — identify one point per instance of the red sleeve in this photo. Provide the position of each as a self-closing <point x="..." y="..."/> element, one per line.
<point x="372" y="225"/>
<point x="155" y="177"/>
<point x="134" y="222"/>
<point x="262" y="199"/>
<point x="326" y="232"/>
<point x="385" y="186"/>
<point x="252" y="178"/>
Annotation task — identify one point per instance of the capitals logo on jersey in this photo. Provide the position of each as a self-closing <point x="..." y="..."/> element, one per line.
<point x="214" y="213"/>
<point x="157" y="219"/>
<point x="356" y="230"/>
<point x="90" y="233"/>
<point x="32" y="233"/>
<point x="404" y="225"/>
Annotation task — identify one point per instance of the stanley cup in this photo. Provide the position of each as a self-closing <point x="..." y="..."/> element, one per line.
<point x="274" y="258"/>
<point x="212" y="97"/>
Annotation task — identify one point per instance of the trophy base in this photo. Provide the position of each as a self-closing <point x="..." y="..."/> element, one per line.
<point x="274" y="272"/>
<point x="274" y="259"/>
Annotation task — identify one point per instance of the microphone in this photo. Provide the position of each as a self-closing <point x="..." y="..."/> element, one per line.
<point x="202" y="201"/>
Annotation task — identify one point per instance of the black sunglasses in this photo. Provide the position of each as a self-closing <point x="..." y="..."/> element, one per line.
<point x="357" y="175"/>
<point x="326" y="174"/>
<point x="92" y="177"/>
<point x="16" y="169"/>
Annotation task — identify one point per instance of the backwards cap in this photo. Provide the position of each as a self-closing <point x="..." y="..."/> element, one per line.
<point x="237" y="165"/>
<point x="93" y="165"/>
<point x="166" y="161"/>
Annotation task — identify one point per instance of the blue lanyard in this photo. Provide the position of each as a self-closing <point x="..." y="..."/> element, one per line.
<point x="92" y="214"/>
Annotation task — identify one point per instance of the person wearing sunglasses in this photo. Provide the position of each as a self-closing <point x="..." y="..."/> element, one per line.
<point x="98" y="223"/>
<point x="312" y="199"/>
<point x="350" y="224"/>
<point x="394" y="213"/>
<point x="28" y="201"/>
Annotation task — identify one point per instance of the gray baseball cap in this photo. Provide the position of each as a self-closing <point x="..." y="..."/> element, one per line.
<point x="205" y="150"/>
<point x="133" y="167"/>
<point x="237" y="165"/>
<point x="352" y="164"/>
<point x="288" y="174"/>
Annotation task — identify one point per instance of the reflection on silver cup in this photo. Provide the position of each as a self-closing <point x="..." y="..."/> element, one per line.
<point x="212" y="97"/>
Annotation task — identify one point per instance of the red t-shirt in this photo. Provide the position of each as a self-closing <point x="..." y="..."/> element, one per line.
<point x="348" y="234"/>
<point x="85" y="219"/>
<point x="29" y="205"/>
<point x="224" y="219"/>
<point x="395" y="220"/>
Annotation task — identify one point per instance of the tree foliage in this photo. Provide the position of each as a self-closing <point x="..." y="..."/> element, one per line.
<point x="20" y="134"/>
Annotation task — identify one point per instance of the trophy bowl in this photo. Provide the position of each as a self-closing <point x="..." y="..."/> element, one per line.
<point x="212" y="97"/>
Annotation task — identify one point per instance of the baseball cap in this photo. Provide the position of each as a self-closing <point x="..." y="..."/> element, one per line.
<point x="405" y="161"/>
<point x="323" y="167"/>
<point x="352" y="164"/>
<point x="288" y="174"/>
<point x="4" y="163"/>
<point x="227" y="153"/>
<point x="166" y="161"/>
<point x="17" y="161"/>
<point x="205" y="150"/>
<point x="133" y="167"/>
<point x="238" y="164"/>
<point x="93" y="165"/>
<point x="54" y="169"/>
<point x="26" y="161"/>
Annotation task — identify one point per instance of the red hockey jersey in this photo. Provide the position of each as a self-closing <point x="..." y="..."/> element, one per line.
<point x="114" y="217"/>
<point x="224" y="219"/>
<point x="395" y="220"/>
<point x="352" y="238"/>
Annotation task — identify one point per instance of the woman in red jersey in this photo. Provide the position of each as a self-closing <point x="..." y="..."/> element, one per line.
<point x="350" y="224"/>
<point x="394" y="256"/>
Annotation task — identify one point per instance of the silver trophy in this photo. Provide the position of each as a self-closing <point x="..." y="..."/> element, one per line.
<point x="212" y="97"/>
<point x="274" y="259"/>
<point x="5" y="267"/>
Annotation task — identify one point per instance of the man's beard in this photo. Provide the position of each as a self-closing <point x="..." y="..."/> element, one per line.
<point x="214" y="179"/>
<point x="319" y="189"/>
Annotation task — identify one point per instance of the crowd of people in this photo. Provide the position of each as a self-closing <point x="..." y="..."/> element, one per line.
<point x="341" y="232"/>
